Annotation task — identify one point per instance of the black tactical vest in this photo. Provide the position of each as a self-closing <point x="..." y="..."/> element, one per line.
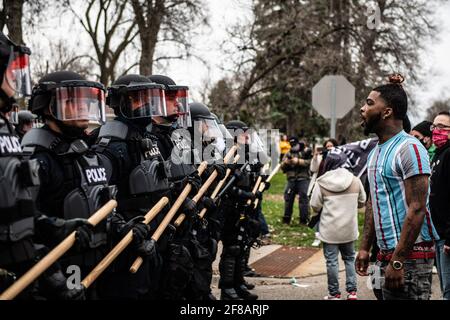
<point x="147" y="182"/>
<point x="18" y="186"/>
<point x="180" y="164"/>
<point x="85" y="188"/>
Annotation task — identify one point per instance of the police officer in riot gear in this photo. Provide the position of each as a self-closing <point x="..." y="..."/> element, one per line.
<point x="25" y="121"/>
<point x="209" y="143"/>
<point x="236" y="223"/>
<point x="175" y="145"/>
<point x="74" y="179"/>
<point x="18" y="175"/>
<point x="138" y="172"/>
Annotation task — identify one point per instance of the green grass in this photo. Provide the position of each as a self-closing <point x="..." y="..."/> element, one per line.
<point x="277" y="184"/>
<point x="293" y="234"/>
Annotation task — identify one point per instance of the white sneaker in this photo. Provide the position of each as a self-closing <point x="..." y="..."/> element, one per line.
<point x="352" y="296"/>
<point x="435" y="270"/>
<point x="316" y="243"/>
<point x="335" y="297"/>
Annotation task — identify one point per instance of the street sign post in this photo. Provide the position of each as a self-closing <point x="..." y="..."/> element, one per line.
<point x="332" y="97"/>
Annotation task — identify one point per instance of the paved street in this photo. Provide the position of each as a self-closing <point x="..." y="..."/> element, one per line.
<point x="310" y="277"/>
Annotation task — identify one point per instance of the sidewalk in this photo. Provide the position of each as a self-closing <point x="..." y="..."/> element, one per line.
<point x="307" y="281"/>
<point x="285" y="262"/>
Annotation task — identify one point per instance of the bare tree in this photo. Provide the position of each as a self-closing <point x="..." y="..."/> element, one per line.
<point x="165" y="21"/>
<point x="11" y="16"/>
<point x="61" y="56"/>
<point x="111" y="30"/>
<point x="291" y="44"/>
<point x="436" y="107"/>
<point x="16" y="12"/>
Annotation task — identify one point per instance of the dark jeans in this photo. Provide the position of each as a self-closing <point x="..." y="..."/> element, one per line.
<point x="293" y="188"/>
<point x="443" y="267"/>
<point x="418" y="275"/>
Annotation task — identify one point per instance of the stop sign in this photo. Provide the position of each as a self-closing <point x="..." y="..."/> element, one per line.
<point x="333" y="91"/>
<point x="332" y="97"/>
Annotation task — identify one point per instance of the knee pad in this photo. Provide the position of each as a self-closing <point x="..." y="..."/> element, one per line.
<point x="232" y="251"/>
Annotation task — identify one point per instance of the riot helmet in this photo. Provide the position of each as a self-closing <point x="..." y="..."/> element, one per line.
<point x="14" y="73"/>
<point x="67" y="96"/>
<point x="225" y="133"/>
<point x="133" y="96"/>
<point x="177" y="100"/>
<point x="239" y="130"/>
<point x="203" y="122"/>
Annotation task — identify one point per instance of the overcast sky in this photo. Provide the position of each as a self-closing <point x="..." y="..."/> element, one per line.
<point x="434" y="63"/>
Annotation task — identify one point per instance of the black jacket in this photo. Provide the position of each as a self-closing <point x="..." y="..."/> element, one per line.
<point x="439" y="195"/>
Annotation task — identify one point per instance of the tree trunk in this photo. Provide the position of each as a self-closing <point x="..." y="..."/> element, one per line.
<point x="291" y="121"/>
<point x="148" y="44"/>
<point x="14" y="13"/>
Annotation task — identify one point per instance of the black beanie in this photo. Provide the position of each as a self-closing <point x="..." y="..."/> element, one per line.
<point x="424" y="128"/>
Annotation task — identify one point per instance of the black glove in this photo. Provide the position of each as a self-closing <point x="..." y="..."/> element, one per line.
<point x="266" y="186"/>
<point x="146" y="248"/>
<point x="84" y="236"/>
<point x="256" y="167"/>
<point x="56" y="283"/>
<point x="140" y="230"/>
<point x="258" y="195"/>
<point x="195" y="181"/>
<point x="209" y="204"/>
<point x="53" y="230"/>
<point x="6" y="279"/>
<point x="246" y="195"/>
<point x="238" y="174"/>
<point x="221" y="170"/>
<point x="189" y="207"/>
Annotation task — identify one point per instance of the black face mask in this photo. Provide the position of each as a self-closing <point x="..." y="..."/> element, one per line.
<point x="69" y="131"/>
<point x="6" y="103"/>
<point x="142" y="122"/>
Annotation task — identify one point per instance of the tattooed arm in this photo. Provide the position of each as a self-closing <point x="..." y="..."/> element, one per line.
<point x="362" y="259"/>
<point x="416" y="189"/>
<point x="369" y="227"/>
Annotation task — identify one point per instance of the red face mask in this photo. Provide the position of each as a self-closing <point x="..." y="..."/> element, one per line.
<point x="440" y="137"/>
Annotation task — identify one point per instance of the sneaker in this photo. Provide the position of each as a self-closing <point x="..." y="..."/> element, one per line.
<point x="352" y="296"/>
<point x="316" y="243"/>
<point x="330" y="297"/>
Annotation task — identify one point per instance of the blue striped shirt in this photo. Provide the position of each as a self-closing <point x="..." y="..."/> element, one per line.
<point x="389" y="164"/>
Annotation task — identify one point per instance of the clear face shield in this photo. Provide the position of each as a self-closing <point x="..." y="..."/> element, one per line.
<point x="257" y="148"/>
<point x="17" y="74"/>
<point x="177" y="102"/>
<point x="143" y="101"/>
<point x="243" y="137"/>
<point x="79" y="100"/>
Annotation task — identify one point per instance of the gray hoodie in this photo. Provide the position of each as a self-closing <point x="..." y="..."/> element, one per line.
<point x="339" y="194"/>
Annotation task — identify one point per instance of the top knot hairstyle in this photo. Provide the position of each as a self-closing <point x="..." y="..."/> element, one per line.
<point x="394" y="95"/>
<point x="396" y="78"/>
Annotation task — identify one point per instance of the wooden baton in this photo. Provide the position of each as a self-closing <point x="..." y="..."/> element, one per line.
<point x="43" y="264"/>
<point x="169" y="216"/>
<point x="114" y="253"/>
